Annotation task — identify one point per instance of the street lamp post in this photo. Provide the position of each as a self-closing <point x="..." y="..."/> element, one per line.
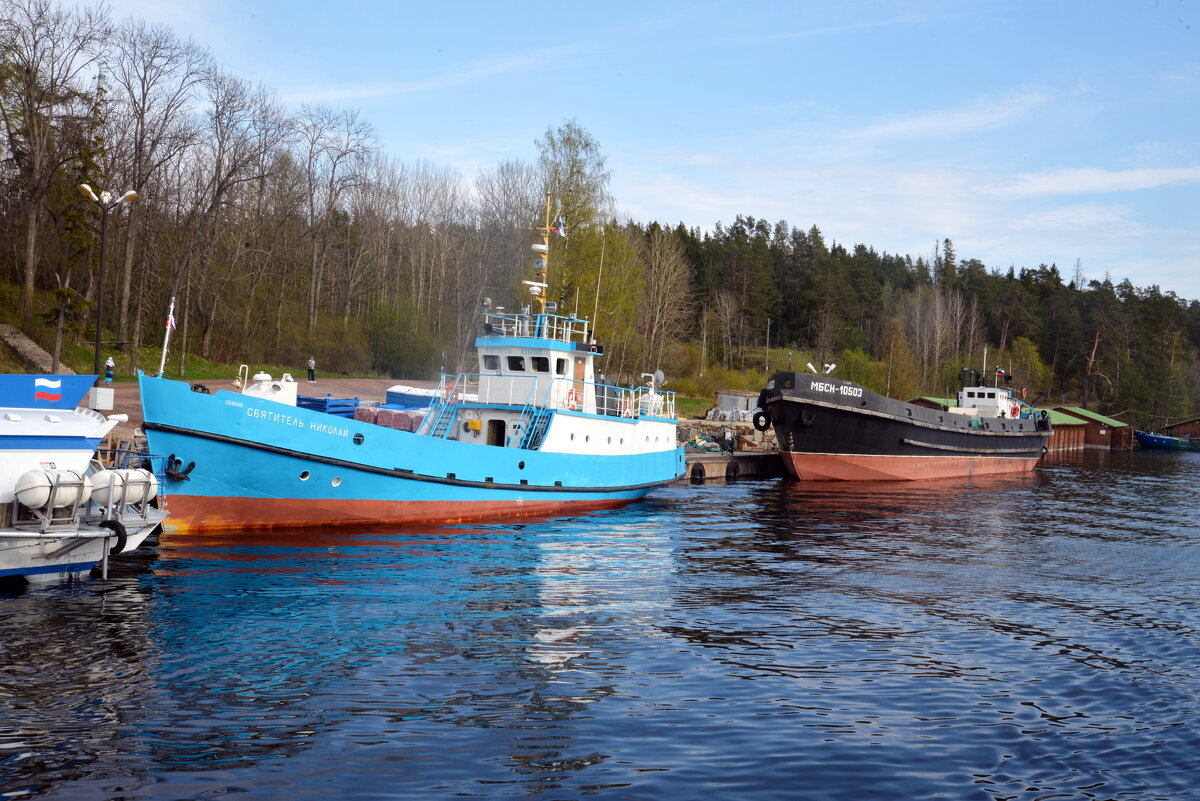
<point x="107" y="204"/>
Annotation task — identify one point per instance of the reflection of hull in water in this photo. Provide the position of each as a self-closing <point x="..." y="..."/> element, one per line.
<point x="298" y="547"/>
<point x="900" y="511"/>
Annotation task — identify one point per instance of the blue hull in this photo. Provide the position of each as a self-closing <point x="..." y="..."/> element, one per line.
<point x="263" y="464"/>
<point x="1161" y="442"/>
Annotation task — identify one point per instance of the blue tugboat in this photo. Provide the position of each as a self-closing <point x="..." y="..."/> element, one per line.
<point x="540" y="436"/>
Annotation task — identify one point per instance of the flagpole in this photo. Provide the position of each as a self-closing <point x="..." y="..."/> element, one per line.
<point x="162" y="365"/>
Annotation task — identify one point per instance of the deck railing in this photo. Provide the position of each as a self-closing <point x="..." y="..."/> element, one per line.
<point x="538" y="326"/>
<point x="560" y="393"/>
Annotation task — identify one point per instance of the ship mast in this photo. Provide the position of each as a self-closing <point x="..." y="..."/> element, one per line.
<point x="541" y="263"/>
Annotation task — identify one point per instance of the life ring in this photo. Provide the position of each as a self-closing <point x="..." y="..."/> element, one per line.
<point x="626" y="407"/>
<point x="572" y="401"/>
<point x="1015" y="411"/>
<point x="761" y="421"/>
<point x="117" y="528"/>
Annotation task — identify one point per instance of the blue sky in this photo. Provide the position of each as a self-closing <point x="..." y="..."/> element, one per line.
<point x="1027" y="132"/>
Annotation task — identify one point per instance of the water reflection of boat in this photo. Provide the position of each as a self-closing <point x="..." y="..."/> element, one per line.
<point x="61" y="512"/>
<point x="78" y="686"/>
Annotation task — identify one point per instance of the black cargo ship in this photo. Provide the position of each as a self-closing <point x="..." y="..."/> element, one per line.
<point x="834" y="430"/>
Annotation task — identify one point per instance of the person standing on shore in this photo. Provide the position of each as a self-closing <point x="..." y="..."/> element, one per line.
<point x="312" y="370"/>
<point x="108" y="370"/>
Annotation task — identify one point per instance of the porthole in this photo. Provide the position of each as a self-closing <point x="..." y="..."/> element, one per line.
<point x="572" y="436"/>
<point x="610" y="440"/>
<point x="358" y="439"/>
<point x="587" y="437"/>
<point x="304" y="476"/>
<point x="337" y="481"/>
<point x="520" y="465"/>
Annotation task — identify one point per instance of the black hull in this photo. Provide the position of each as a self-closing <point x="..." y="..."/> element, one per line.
<point x="829" y="429"/>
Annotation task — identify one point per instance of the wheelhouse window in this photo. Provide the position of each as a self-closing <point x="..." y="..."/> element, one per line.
<point x="541" y="364"/>
<point x="491" y="361"/>
<point x="560" y="366"/>
<point x="516" y="364"/>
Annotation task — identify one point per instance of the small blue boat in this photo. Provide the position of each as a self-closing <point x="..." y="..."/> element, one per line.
<point x="1162" y="442"/>
<point x="531" y="433"/>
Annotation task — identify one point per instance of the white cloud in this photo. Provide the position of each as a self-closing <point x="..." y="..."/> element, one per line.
<point x="196" y="20"/>
<point x="468" y="73"/>
<point x="1116" y="220"/>
<point x="981" y="115"/>
<point x="1078" y="181"/>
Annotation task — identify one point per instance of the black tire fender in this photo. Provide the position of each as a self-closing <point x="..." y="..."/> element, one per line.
<point x="761" y="421"/>
<point x="118" y="528"/>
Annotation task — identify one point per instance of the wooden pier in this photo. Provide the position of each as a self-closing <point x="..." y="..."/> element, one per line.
<point x="706" y="466"/>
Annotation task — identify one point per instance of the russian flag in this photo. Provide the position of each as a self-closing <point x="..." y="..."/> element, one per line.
<point x="47" y="394"/>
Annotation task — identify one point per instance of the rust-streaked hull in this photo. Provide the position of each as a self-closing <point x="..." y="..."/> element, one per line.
<point x="195" y="513"/>
<point x="860" y="467"/>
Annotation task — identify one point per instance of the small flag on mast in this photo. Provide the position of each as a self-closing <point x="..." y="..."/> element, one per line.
<point x="560" y="227"/>
<point x="171" y="320"/>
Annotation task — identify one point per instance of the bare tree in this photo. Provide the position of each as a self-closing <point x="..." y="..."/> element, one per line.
<point x="155" y="76"/>
<point x="335" y="146"/>
<point x="666" y="305"/>
<point x="50" y="52"/>
<point x="728" y="311"/>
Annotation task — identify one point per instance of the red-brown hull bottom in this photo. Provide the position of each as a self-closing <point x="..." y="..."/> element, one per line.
<point x="860" y="467"/>
<point x="189" y="514"/>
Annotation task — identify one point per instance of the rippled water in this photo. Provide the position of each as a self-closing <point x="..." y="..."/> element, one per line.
<point x="1026" y="638"/>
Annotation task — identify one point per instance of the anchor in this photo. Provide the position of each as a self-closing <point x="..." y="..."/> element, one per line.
<point x="173" y="471"/>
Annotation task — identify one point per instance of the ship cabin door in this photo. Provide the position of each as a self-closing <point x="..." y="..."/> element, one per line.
<point x="495" y="433"/>
<point x="580" y="365"/>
